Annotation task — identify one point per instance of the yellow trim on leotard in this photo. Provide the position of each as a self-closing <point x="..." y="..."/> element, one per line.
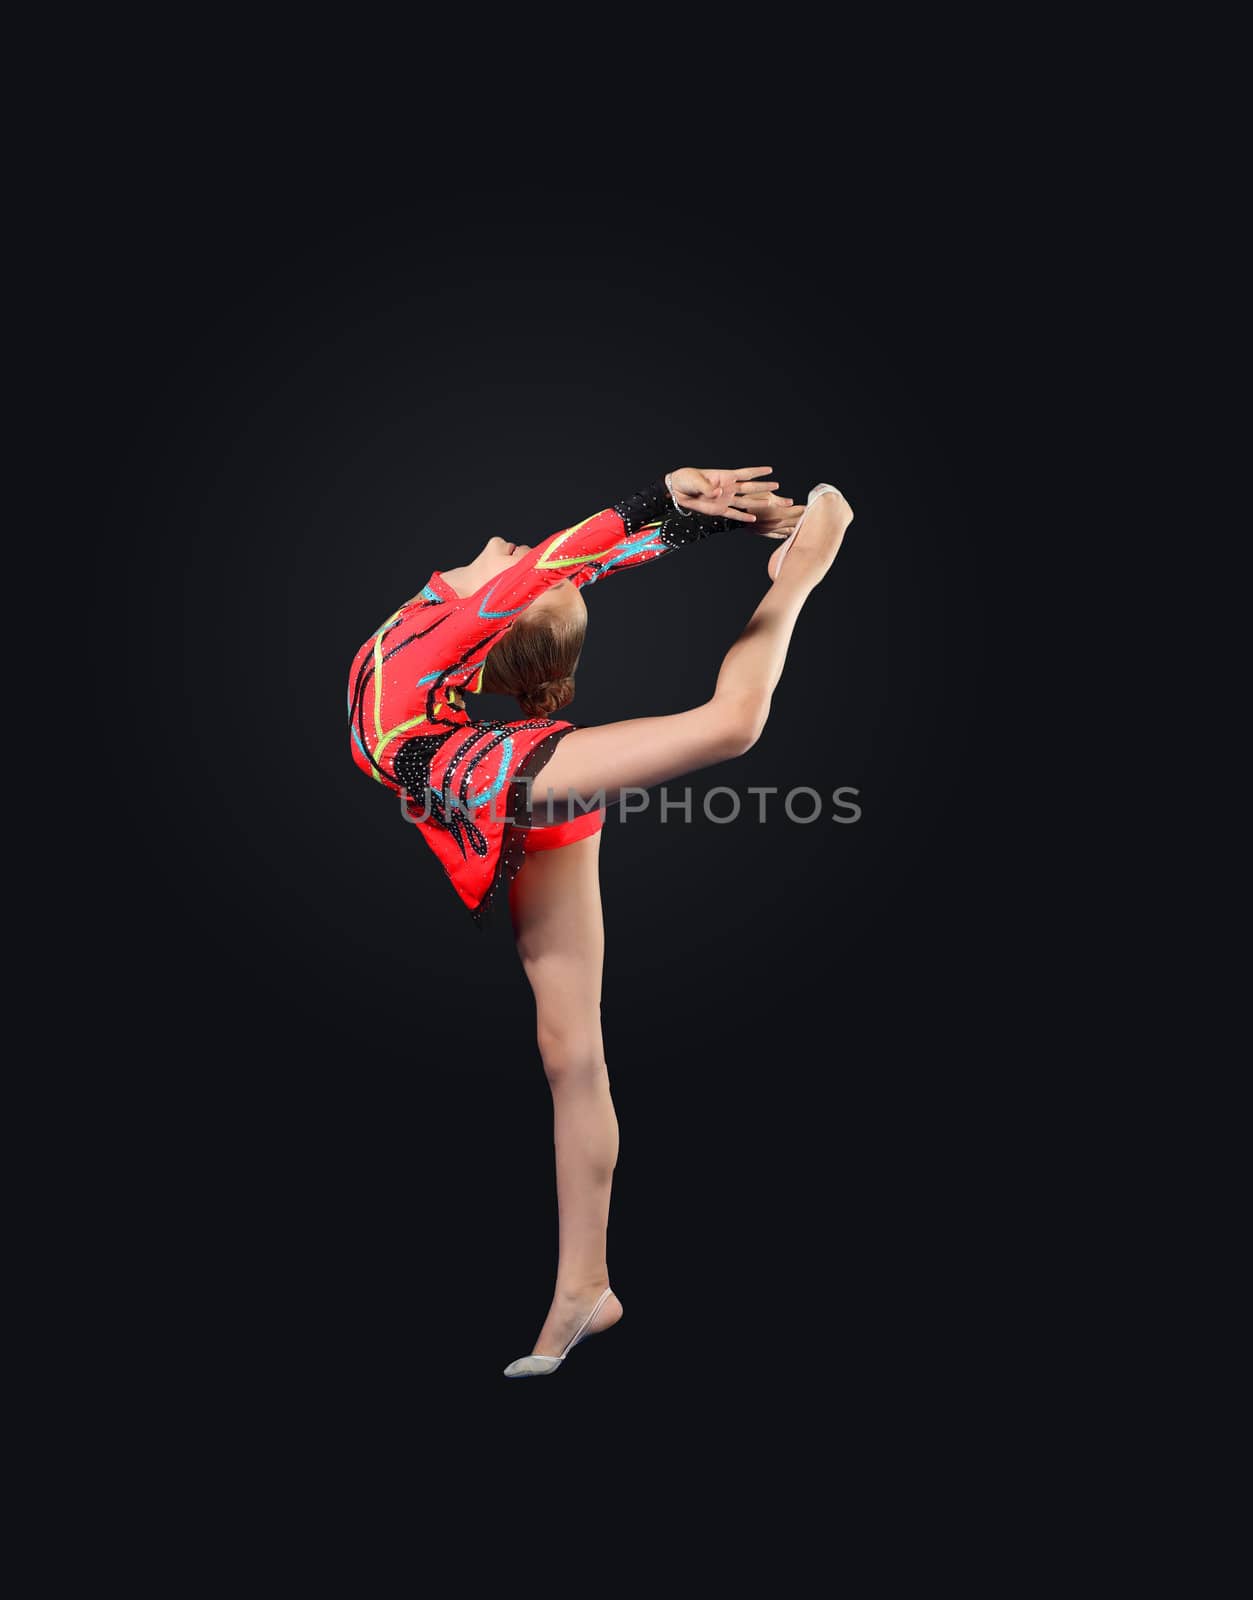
<point x="378" y="689"/>
<point x="595" y="555"/>
<point x="378" y="673"/>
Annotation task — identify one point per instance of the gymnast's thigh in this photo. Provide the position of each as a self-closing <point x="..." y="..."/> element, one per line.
<point x="554" y="901"/>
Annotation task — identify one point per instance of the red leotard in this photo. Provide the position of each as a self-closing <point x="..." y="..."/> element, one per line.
<point x="460" y="780"/>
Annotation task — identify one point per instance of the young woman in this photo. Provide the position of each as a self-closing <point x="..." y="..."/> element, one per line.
<point x="513" y="620"/>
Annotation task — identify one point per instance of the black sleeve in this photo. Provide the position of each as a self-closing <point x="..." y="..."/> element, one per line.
<point x="653" y="505"/>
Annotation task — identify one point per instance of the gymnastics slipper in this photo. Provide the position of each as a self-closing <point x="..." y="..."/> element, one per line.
<point x="540" y="1366"/>
<point x="780" y="555"/>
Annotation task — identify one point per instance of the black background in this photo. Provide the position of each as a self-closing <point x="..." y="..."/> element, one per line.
<point x="314" y="389"/>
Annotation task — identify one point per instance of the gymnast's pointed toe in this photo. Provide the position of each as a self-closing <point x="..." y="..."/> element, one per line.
<point x="532" y="1366"/>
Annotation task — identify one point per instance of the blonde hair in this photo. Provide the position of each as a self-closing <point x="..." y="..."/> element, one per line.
<point x="535" y="661"/>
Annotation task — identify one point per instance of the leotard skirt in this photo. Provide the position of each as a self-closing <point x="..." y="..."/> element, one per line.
<point x="559" y="833"/>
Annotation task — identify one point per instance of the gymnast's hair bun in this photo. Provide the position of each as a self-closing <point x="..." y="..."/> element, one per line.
<point x="543" y="699"/>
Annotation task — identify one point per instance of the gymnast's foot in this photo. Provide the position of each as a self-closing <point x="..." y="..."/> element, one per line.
<point x="567" y="1312"/>
<point x="808" y="552"/>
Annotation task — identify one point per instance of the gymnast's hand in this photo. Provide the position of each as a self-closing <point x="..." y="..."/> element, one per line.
<point x="722" y="491"/>
<point x="776" y="515"/>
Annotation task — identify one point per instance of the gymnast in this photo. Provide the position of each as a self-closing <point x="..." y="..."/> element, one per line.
<point x="513" y="621"/>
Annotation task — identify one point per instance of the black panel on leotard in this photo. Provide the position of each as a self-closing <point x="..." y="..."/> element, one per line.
<point x="677" y="527"/>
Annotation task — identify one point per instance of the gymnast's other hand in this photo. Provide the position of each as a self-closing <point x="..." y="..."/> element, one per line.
<point x="719" y="491"/>
<point x="776" y="515"/>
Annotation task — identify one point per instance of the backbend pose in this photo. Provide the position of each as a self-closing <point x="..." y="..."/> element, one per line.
<point x="513" y="620"/>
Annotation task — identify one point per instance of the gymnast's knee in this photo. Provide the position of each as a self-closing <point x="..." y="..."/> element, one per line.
<point x="739" y="720"/>
<point x="570" y="1055"/>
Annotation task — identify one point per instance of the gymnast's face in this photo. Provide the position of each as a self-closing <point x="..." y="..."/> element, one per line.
<point x="497" y="556"/>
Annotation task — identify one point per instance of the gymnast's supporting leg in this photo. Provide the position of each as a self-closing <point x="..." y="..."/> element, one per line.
<point x="556" y="910"/>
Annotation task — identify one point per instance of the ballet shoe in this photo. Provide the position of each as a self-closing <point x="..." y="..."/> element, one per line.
<point x="780" y="555"/>
<point x="540" y="1366"/>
